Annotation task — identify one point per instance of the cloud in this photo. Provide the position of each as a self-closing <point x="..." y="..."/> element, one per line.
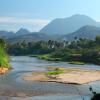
<point x="15" y="23"/>
<point x="14" y="20"/>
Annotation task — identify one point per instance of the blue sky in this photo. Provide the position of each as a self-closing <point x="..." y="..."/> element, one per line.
<point x="35" y="14"/>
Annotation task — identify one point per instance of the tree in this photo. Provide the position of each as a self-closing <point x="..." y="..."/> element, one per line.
<point x="97" y="39"/>
<point x="2" y="43"/>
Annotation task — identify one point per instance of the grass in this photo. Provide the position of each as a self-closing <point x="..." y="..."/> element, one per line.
<point x="77" y="63"/>
<point x="4" y="59"/>
<point x="50" y="58"/>
<point x="47" y="57"/>
<point x="55" y="71"/>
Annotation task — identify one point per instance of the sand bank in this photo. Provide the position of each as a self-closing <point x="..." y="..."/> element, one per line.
<point x="72" y="76"/>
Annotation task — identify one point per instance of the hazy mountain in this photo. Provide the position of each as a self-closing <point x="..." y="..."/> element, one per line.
<point x="23" y="34"/>
<point x="22" y="31"/>
<point x="35" y="36"/>
<point x="88" y="32"/>
<point x="80" y="26"/>
<point x="6" y="34"/>
<point x="68" y="25"/>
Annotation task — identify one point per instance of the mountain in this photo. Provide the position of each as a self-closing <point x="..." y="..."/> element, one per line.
<point x="23" y="34"/>
<point x="68" y="25"/>
<point x="80" y="26"/>
<point x="88" y="32"/>
<point x="6" y="34"/>
<point x="22" y="31"/>
<point x="34" y="36"/>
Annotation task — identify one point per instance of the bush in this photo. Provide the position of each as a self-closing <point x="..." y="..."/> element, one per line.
<point x="55" y="71"/>
<point x="4" y="59"/>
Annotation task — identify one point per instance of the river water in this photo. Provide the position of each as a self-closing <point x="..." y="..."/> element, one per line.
<point x="12" y="87"/>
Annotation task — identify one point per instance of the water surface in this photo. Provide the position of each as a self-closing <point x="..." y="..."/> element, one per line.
<point x="12" y="86"/>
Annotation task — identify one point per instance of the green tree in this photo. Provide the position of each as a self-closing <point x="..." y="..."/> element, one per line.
<point x="97" y="39"/>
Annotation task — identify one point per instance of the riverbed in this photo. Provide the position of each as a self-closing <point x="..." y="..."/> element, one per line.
<point x="12" y="87"/>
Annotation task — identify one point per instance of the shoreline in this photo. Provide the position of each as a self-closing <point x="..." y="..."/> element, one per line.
<point x="70" y="76"/>
<point x="74" y="62"/>
<point x="4" y="70"/>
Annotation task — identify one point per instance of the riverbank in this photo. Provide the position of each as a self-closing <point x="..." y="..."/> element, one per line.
<point x="4" y="70"/>
<point x="48" y="57"/>
<point x="4" y="58"/>
<point x="67" y="75"/>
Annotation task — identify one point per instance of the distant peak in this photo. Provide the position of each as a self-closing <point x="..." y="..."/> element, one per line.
<point x="22" y="31"/>
<point x="79" y="15"/>
<point x="68" y="24"/>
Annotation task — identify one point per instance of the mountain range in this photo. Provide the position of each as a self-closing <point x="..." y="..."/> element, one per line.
<point x="68" y="25"/>
<point x="32" y="36"/>
<point x="80" y="26"/>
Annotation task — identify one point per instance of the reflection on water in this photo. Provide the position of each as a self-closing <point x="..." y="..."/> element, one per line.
<point x="12" y="85"/>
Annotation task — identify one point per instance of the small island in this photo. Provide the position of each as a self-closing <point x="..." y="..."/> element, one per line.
<point x="64" y="75"/>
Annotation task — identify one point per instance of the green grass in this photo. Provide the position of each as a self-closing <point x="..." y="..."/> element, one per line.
<point x="47" y="57"/>
<point x="4" y="59"/>
<point x="55" y="71"/>
<point x="77" y="63"/>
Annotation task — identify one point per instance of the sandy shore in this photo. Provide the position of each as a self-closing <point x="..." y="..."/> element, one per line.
<point x="3" y="70"/>
<point x="73" y="76"/>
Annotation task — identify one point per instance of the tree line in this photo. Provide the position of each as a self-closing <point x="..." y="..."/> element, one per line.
<point x="78" y="50"/>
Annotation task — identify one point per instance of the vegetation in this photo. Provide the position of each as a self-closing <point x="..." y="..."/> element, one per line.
<point x="96" y="96"/>
<point x="79" y="51"/>
<point x="4" y="59"/>
<point x="55" y="71"/>
<point x="47" y="57"/>
<point x="77" y="62"/>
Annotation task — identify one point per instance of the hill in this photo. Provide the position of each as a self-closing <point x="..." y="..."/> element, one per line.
<point x="68" y="25"/>
<point x="34" y="36"/>
<point x="6" y="34"/>
<point x="88" y="32"/>
<point x="22" y="31"/>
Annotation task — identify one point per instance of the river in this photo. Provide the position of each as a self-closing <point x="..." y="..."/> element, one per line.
<point x="12" y="87"/>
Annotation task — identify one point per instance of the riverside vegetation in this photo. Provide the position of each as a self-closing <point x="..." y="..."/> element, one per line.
<point x="4" y="59"/>
<point x="79" y="51"/>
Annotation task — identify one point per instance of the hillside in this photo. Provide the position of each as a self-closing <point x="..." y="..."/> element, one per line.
<point x="35" y="36"/>
<point x="22" y="31"/>
<point x="68" y="25"/>
<point x="24" y="34"/>
<point x="6" y="34"/>
<point x="88" y="32"/>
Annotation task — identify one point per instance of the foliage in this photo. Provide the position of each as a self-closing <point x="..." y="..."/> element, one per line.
<point x="77" y="62"/>
<point x="4" y="59"/>
<point x="81" y="50"/>
<point x="55" y="71"/>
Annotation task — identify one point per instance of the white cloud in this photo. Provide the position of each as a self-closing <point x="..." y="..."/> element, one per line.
<point x="15" y="23"/>
<point x="14" y="20"/>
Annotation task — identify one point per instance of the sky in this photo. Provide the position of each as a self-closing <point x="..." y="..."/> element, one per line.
<point x="35" y="14"/>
